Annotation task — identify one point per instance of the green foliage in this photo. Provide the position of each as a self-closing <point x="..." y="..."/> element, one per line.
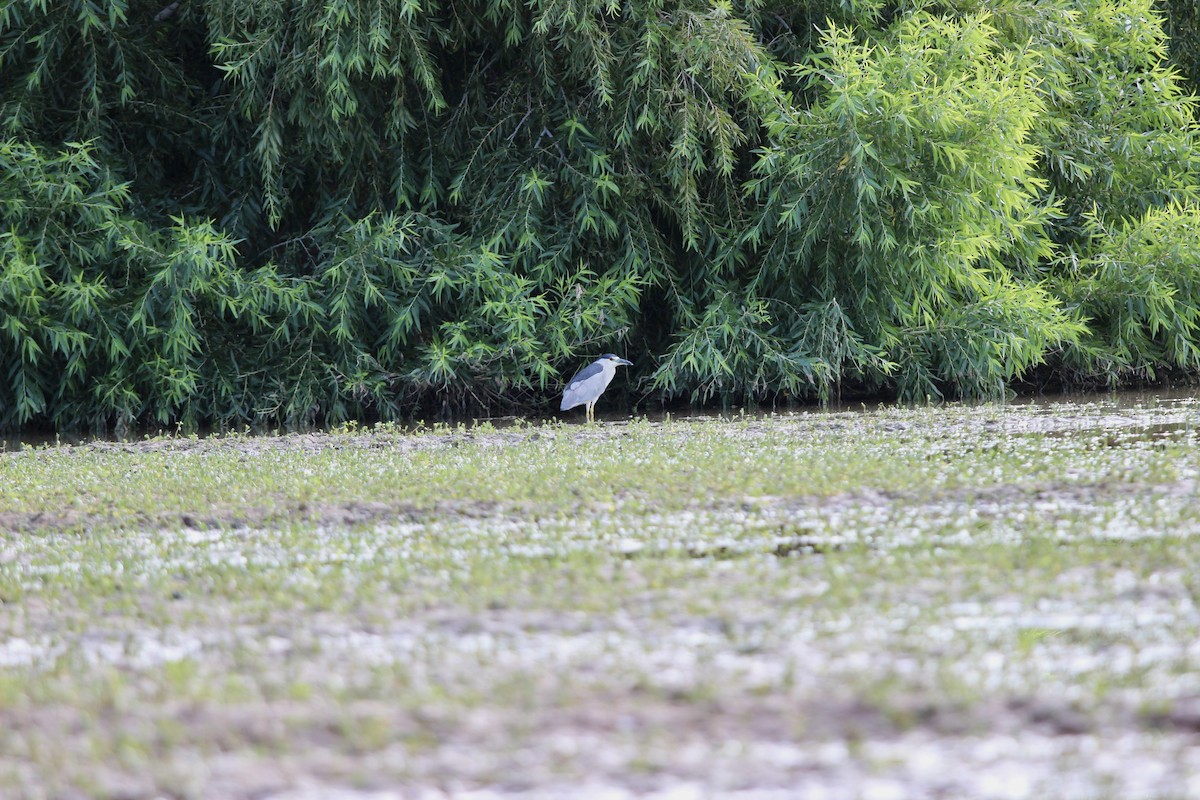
<point x="734" y="347"/>
<point x="909" y="193"/>
<point x="1182" y="23"/>
<point x="334" y="93"/>
<point x="289" y="211"/>
<point x="1120" y="134"/>
<point x="107" y="320"/>
<point x="1139" y="289"/>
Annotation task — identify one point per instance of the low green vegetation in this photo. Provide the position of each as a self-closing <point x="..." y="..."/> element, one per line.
<point x="556" y="470"/>
<point x="816" y="602"/>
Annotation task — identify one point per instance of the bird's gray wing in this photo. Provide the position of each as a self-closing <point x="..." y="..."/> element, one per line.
<point x="570" y="398"/>
<point x="594" y="368"/>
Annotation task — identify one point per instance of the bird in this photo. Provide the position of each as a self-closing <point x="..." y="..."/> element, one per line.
<point x="590" y="382"/>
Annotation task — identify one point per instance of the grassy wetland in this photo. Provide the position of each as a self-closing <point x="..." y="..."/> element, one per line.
<point x="973" y="601"/>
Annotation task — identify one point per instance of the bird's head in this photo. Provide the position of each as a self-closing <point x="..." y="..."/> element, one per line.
<point x="615" y="360"/>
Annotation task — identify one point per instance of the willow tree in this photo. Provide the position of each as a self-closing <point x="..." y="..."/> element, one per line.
<point x="289" y="211"/>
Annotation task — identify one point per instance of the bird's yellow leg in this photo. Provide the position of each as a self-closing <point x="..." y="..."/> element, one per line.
<point x="591" y="413"/>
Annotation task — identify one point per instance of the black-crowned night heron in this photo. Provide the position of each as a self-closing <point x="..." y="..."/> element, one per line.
<point x="590" y="382"/>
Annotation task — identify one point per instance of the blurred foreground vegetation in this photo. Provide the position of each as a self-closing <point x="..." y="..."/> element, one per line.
<point x="995" y="590"/>
<point x="289" y="211"/>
